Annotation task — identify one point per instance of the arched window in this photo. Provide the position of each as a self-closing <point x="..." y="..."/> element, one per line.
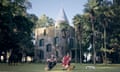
<point x="71" y="43"/>
<point x="49" y="48"/>
<point x="41" y="42"/>
<point x="56" y="39"/>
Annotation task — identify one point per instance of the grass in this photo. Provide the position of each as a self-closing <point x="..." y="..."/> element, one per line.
<point x="40" y="68"/>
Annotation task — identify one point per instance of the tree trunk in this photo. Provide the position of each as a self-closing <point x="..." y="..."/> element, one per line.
<point x="80" y="51"/>
<point x="93" y="44"/>
<point x="5" y="57"/>
<point x="76" y="48"/>
<point x="105" y="45"/>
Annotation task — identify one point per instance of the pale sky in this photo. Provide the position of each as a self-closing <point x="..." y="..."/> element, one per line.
<point x="51" y="8"/>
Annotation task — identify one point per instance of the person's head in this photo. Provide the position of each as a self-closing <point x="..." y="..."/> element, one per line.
<point x="52" y="55"/>
<point x="67" y="54"/>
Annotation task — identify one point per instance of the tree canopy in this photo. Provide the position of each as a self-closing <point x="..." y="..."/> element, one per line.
<point x="16" y="26"/>
<point x="104" y="14"/>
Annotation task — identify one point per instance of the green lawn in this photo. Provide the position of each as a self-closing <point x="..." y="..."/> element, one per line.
<point x="58" y="68"/>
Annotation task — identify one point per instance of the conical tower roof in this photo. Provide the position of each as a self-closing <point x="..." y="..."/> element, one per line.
<point x="61" y="17"/>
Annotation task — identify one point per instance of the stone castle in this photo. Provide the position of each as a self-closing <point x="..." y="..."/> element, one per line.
<point x="54" y="39"/>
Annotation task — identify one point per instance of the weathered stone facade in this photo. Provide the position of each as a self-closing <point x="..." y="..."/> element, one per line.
<point x="49" y="40"/>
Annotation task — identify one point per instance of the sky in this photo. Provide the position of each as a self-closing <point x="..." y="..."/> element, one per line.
<point x="51" y="8"/>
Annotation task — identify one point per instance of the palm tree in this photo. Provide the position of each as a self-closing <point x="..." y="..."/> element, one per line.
<point x="103" y="14"/>
<point x="77" y="20"/>
<point x="91" y="6"/>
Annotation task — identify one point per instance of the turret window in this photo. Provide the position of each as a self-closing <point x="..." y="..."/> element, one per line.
<point x="41" y="42"/>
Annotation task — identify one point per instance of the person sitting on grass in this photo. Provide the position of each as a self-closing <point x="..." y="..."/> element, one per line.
<point x="51" y="62"/>
<point x="66" y="62"/>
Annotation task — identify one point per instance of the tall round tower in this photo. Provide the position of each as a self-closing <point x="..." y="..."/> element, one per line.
<point x="60" y="25"/>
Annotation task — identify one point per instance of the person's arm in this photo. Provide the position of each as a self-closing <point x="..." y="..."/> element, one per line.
<point x="48" y="60"/>
<point x="63" y="59"/>
<point x="70" y="59"/>
<point x="55" y="59"/>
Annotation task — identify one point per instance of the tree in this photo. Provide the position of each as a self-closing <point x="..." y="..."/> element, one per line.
<point x="78" y="23"/>
<point x="45" y="21"/>
<point x="105" y="13"/>
<point x="90" y="6"/>
<point x="15" y="27"/>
